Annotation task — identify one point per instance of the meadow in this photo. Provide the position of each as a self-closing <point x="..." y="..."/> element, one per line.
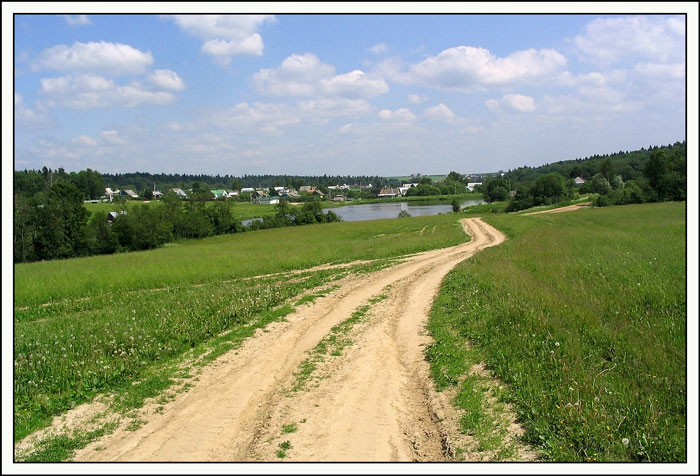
<point x="87" y="326"/>
<point x="582" y="316"/>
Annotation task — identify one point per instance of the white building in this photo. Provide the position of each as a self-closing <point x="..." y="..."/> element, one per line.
<point x="471" y="185"/>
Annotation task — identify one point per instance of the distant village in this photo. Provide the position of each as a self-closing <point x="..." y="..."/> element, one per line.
<point x="273" y="195"/>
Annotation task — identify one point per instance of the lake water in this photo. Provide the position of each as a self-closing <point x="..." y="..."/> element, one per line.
<point x="377" y="211"/>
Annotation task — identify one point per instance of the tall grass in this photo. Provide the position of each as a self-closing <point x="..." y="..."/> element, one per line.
<point x="583" y="316"/>
<point x="231" y="256"/>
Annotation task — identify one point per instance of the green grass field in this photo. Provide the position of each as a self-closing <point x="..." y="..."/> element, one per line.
<point x="583" y="316"/>
<point x="86" y="326"/>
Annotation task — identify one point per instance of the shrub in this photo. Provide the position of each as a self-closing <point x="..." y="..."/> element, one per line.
<point x="603" y="201"/>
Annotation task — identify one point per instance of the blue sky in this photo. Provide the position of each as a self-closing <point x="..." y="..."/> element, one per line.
<point x="342" y="94"/>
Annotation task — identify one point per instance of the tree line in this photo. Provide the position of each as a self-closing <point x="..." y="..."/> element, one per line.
<point x="453" y="184"/>
<point x="28" y="183"/>
<point x="54" y="224"/>
<point x="629" y="165"/>
<point x="646" y="175"/>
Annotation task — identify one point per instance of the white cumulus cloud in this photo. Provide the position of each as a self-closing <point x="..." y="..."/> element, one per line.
<point x="355" y="84"/>
<point x="77" y="20"/>
<point x="28" y="117"/>
<point x="112" y="137"/>
<point x="87" y="91"/>
<point x="439" y="113"/>
<point x="468" y="68"/>
<point x="379" y="48"/>
<point x="307" y="75"/>
<point x="298" y="75"/>
<point x="417" y="98"/>
<point x="113" y="59"/>
<point x="226" y="35"/>
<point x="324" y="108"/>
<point x="514" y="102"/>
<point x="166" y="79"/>
<point x="606" y="41"/>
<point x="400" y="115"/>
<point x="84" y="140"/>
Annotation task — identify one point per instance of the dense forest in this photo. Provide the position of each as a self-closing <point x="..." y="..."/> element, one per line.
<point x="646" y="175"/>
<point x="629" y="165"/>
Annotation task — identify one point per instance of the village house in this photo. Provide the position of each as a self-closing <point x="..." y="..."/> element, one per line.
<point x="111" y="216"/>
<point x="579" y="181"/>
<point x="265" y="200"/>
<point x="471" y="185"/>
<point x="289" y="193"/>
<point x="389" y="193"/>
<point x="406" y="187"/>
<point x="128" y="193"/>
<point x="180" y="193"/>
<point x="219" y="194"/>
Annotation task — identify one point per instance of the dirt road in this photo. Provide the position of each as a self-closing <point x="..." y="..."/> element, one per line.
<point x="570" y="208"/>
<point x="371" y="402"/>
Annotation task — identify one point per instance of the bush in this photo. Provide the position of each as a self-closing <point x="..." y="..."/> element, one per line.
<point x="601" y="184"/>
<point x="603" y="201"/>
<point x="633" y="194"/>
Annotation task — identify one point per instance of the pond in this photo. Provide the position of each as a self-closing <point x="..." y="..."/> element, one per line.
<point x="377" y="211"/>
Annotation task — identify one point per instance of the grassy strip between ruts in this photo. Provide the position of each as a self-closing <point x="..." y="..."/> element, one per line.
<point x="583" y="317"/>
<point x="331" y="345"/>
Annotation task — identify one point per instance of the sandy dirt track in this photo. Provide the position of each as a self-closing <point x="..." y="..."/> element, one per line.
<point x="373" y="403"/>
<point x="570" y="208"/>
